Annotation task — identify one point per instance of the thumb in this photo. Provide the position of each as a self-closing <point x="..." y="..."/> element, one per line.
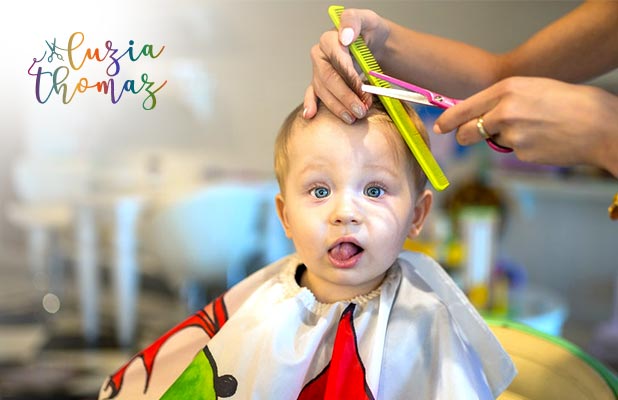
<point x="346" y="36"/>
<point x="350" y="26"/>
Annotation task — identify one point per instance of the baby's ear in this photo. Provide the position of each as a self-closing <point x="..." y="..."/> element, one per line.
<point x="280" y="205"/>
<point x="421" y="210"/>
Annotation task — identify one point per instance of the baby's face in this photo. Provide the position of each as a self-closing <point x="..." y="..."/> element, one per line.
<point x="349" y="205"/>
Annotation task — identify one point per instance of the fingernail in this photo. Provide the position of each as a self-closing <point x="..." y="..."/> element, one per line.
<point x="347" y="118"/>
<point x="305" y="113"/>
<point x="358" y="110"/>
<point x="436" y="129"/>
<point x="347" y="34"/>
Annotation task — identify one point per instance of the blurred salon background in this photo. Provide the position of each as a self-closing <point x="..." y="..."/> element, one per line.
<point x="116" y="222"/>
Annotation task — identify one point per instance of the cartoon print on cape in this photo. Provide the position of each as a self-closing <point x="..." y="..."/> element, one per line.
<point x="344" y="376"/>
<point x="210" y="319"/>
<point x="201" y="381"/>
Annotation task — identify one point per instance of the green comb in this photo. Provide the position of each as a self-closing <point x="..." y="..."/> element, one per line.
<point x="395" y="109"/>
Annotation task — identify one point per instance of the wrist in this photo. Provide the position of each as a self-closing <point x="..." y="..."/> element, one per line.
<point x="612" y="166"/>
<point x="611" y="151"/>
<point x="609" y="127"/>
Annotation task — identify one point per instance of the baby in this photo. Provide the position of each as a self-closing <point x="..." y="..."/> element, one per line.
<point x="349" y="316"/>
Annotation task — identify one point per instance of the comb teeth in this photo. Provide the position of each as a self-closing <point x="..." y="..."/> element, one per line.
<point x="371" y="62"/>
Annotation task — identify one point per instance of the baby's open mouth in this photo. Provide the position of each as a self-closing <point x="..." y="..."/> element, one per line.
<point x="344" y="251"/>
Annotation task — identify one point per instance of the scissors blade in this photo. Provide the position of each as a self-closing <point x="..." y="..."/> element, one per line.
<point x="397" y="94"/>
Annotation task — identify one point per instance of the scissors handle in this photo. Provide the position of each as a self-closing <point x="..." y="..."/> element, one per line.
<point x="437" y="100"/>
<point x="496" y="147"/>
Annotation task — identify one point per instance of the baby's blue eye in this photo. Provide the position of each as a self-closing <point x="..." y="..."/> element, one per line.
<point x="320" y="192"/>
<point x="374" y="191"/>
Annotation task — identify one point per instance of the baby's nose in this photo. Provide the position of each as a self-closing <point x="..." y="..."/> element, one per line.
<point x="345" y="211"/>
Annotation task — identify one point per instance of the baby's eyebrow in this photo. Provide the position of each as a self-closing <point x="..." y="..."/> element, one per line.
<point x="383" y="168"/>
<point x="313" y="166"/>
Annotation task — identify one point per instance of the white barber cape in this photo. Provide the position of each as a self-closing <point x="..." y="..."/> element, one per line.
<point x="414" y="337"/>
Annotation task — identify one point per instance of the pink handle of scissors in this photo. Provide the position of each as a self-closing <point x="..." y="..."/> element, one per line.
<point x="496" y="147"/>
<point x="437" y="100"/>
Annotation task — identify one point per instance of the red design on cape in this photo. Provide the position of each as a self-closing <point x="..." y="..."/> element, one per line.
<point x="344" y="376"/>
<point x="211" y="318"/>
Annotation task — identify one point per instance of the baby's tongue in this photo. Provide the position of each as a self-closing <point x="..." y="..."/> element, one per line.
<point x="345" y="250"/>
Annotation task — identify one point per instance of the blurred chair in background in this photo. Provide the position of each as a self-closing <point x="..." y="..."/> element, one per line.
<point x="45" y="189"/>
<point x="86" y="212"/>
<point x="62" y="205"/>
<point x="209" y="239"/>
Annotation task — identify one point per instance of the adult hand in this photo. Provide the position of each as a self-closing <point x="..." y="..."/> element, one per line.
<point x="543" y="120"/>
<point x="335" y="79"/>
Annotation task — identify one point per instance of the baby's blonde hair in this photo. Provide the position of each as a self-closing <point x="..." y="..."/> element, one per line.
<point x="376" y="113"/>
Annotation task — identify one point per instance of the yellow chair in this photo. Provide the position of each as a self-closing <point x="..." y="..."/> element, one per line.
<point x="550" y="367"/>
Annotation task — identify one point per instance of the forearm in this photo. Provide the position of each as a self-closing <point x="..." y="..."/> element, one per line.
<point x="577" y="47"/>
<point x="448" y="66"/>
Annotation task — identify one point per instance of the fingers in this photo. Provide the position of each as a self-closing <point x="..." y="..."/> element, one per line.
<point x="310" y="103"/>
<point x="465" y="115"/>
<point x="466" y="125"/>
<point x="488" y="126"/>
<point x="474" y="132"/>
<point x="467" y="110"/>
<point x="468" y="133"/>
<point x="481" y="128"/>
<point x="335" y="81"/>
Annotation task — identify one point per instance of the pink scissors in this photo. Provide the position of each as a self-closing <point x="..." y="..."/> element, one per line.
<point x="421" y="96"/>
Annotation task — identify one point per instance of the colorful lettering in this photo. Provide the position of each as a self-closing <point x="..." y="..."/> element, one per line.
<point x="60" y="81"/>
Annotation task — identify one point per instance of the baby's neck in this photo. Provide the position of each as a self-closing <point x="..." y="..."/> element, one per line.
<point x="328" y="293"/>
